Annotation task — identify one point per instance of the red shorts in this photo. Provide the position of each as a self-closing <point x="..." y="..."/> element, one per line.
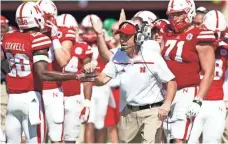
<point x="113" y="114"/>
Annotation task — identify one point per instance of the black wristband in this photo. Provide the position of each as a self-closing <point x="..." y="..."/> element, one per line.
<point x="198" y="102"/>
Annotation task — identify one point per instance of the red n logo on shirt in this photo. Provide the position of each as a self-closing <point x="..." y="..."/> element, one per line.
<point x="55" y="94"/>
<point x="142" y="69"/>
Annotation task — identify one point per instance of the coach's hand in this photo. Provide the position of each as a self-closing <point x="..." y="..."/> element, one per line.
<point x="163" y="111"/>
<point x="90" y="67"/>
<point x="86" y="77"/>
<point x="194" y="108"/>
<point x="84" y="116"/>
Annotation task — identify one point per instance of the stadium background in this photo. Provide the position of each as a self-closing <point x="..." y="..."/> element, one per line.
<point x="107" y="9"/>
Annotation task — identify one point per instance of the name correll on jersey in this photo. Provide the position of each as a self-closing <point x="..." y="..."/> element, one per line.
<point x="14" y="46"/>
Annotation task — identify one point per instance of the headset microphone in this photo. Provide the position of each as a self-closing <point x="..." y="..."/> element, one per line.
<point x="123" y="49"/>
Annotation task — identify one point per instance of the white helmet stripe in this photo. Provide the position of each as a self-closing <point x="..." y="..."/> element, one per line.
<point x="21" y="12"/>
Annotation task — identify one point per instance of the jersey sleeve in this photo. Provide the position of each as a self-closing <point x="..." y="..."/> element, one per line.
<point x="110" y="69"/>
<point x="206" y="36"/>
<point x="66" y="34"/>
<point x="40" y="41"/>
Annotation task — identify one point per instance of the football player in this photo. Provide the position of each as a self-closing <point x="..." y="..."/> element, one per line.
<point x="187" y="51"/>
<point x="100" y="95"/>
<point x="27" y="55"/>
<point x="59" y="55"/>
<point x="74" y="101"/>
<point x="158" y="30"/>
<point x="213" y="112"/>
<point x="198" y="19"/>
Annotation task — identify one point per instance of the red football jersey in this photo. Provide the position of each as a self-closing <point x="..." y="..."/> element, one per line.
<point x="216" y="89"/>
<point x="19" y="48"/>
<point x="65" y="33"/>
<point x="78" y="54"/>
<point x="181" y="55"/>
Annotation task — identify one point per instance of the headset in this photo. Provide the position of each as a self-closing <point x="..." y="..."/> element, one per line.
<point x="141" y="34"/>
<point x="146" y="30"/>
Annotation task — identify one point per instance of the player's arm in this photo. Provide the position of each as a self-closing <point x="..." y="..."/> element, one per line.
<point x="62" y="51"/>
<point x="87" y="86"/>
<point x="207" y="61"/>
<point x="102" y="48"/>
<point x="40" y="58"/>
<point x="2" y="55"/>
<point x="4" y="63"/>
<point x="101" y="43"/>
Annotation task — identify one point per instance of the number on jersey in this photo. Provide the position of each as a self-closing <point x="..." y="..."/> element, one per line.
<point x="171" y="44"/>
<point x="218" y="69"/>
<point x="218" y="73"/>
<point x="19" y="65"/>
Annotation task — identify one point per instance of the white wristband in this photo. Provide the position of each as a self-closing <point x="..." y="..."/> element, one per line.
<point x="198" y="98"/>
<point x="37" y="58"/>
<point x="56" y="44"/>
<point x="86" y="103"/>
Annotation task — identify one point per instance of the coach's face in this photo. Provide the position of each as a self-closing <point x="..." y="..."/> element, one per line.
<point x="127" y="33"/>
<point x="127" y="41"/>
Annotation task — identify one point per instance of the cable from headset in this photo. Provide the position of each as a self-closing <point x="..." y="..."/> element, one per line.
<point x="152" y="73"/>
<point x="162" y="92"/>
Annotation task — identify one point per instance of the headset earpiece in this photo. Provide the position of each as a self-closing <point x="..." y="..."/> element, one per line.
<point x="139" y="38"/>
<point x="146" y="30"/>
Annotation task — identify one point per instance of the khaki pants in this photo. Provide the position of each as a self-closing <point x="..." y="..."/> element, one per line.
<point x="140" y="126"/>
<point x="225" y="134"/>
<point x="4" y="101"/>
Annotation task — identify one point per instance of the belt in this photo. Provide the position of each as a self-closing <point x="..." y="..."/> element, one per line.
<point x="145" y="106"/>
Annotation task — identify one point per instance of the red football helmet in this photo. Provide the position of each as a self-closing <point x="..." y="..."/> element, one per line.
<point x="4" y="25"/>
<point x="181" y="14"/>
<point x="160" y="25"/>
